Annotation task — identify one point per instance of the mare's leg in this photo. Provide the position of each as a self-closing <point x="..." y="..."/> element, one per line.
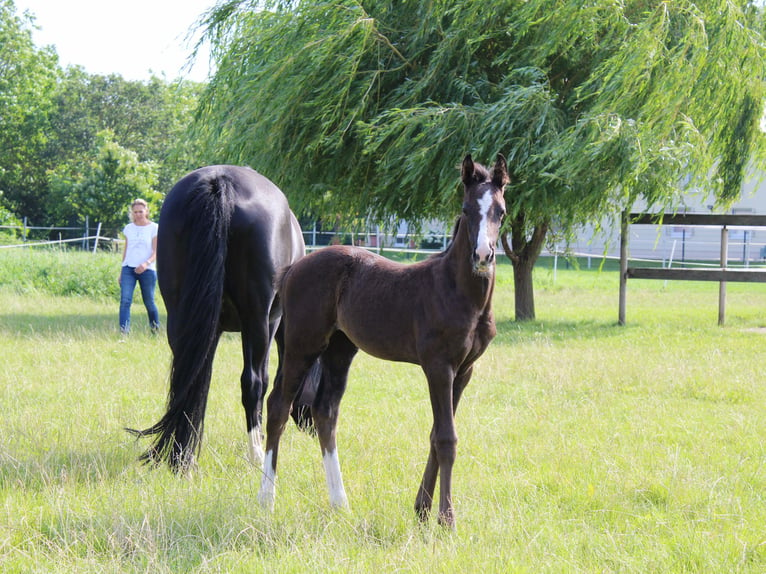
<point x="255" y="350"/>
<point x="336" y="361"/>
<point x="443" y="448"/>
<point x="254" y="310"/>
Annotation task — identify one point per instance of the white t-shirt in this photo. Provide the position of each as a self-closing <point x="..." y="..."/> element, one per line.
<point x="139" y="247"/>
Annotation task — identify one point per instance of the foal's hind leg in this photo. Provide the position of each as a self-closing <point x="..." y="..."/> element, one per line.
<point x="336" y="361"/>
<point x="286" y="386"/>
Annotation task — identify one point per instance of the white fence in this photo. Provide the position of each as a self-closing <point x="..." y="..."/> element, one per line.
<point x="84" y="240"/>
<point x="671" y="245"/>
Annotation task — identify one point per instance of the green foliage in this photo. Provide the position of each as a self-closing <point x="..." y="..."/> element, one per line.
<point x="366" y="107"/>
<point x="7" y="218"/>
<point x="148" y="118"/>
<point x="597" y="449"/>
<point x="50" y="121"/>
<point x="28" y="77"/>
<point x="108" y="184"/>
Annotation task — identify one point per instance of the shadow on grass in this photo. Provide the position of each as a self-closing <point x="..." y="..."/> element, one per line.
<point x="510" y="331"/>
<point x="69" y="323"/>
<point x="37" y="469"/>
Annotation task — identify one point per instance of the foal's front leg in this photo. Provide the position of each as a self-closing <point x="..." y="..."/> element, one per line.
<point x="444" y="392"/>
<point x="425" y="496"/>
<point x="441" y="457"/>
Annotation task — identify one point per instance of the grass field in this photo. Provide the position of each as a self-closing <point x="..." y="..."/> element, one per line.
<point x="584" y="446"/>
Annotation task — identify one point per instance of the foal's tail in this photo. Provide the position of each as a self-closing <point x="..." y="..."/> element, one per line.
<point x="195" y="329"/>
<point x="308" y="392"/>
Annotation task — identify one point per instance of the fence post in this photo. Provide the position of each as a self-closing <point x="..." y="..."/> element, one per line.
<point x="623" y="266"/>
<point x="95" y="241"/>
<point x="722" y="284"/>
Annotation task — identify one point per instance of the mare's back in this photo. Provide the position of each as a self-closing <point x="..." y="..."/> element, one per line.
<point x="262" y="233"/>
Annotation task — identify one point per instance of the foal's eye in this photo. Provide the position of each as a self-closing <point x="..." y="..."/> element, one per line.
<point x="465" y="209"/>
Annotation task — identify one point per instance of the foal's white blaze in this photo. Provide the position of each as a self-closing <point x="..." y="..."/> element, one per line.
<point x="334" y="479"/>
<point x="483" y="248"/>
<point x="267" y="493"/>
<point x="254" y="448"/>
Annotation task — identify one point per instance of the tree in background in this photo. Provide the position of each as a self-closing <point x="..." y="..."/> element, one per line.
<point x="50" y="120"/>
<point x="149" y="118"/>
<point x="28" y="78"/>
<point x="365" y="107"/>
<point x="108" y="183"/>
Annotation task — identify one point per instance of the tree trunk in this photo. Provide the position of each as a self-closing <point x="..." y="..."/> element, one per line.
<point x="523" y="251"/>
<point x="523" y="285"/>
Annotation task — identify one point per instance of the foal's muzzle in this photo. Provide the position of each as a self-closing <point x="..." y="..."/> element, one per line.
<point x="483" y="259"/>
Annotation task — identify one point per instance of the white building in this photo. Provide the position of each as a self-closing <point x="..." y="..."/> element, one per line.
<point x="669" y="243"/>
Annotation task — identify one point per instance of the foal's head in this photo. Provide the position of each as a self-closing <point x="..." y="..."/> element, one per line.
<point x="483" y="209"/>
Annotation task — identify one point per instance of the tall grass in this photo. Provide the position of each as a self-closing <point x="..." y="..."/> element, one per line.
<point x="30" y="270"/>
<point x="584" y="446"/>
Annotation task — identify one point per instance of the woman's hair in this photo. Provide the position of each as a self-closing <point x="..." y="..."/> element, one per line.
<point x="135" y="202"/>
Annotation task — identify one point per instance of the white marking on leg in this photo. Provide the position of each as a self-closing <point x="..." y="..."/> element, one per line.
<point x="483" y="248"/>
<point x="254" y="447"/>
<point x="334" y="480"/>
<point x="268" y="482"/>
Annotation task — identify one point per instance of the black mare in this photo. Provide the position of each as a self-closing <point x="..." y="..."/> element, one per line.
<point x="436" y="313"/>
<point x="224" y="232"/>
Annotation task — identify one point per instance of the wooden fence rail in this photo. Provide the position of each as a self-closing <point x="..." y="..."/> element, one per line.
<point x="722" y="274"/>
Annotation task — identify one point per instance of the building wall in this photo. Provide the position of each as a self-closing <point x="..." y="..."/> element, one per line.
<point x="677" y="244"/>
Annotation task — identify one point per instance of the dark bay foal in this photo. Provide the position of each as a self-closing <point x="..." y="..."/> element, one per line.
<point x="436" y="313"/>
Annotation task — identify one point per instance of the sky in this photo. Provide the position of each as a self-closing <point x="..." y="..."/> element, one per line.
<point x="132" y="38"/>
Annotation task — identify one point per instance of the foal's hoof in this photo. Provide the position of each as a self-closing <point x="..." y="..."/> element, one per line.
<point x="447" y="521"/>
<point x="339" y="502"/>
<point x="423" y="514"/>
<point x="266" y="498"/>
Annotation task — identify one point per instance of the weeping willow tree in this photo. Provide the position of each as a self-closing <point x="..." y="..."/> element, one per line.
<point x="365" y="107"/>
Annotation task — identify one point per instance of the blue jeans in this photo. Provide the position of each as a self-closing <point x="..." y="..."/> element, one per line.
<point x="147" y="280"/>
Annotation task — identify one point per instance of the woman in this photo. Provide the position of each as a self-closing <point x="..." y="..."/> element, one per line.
<point x="138" y="265"/>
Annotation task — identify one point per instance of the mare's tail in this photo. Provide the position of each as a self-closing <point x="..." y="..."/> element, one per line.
<point x="194" y="331"/>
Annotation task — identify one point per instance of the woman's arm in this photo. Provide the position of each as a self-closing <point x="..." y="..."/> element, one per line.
<point x="145" y="265"/>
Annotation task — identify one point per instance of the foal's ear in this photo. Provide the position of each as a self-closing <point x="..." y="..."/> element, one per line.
<point x="500" y="172"/>
<point x="467" y="170"/>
